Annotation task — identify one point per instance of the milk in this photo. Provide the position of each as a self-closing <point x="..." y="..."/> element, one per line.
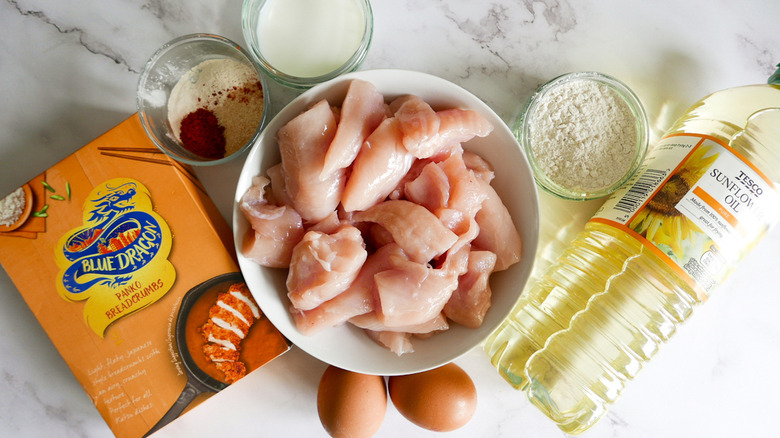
<point x="309" y="38"/>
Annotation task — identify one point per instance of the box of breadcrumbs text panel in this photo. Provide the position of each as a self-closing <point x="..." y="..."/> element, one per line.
<point x="126" y="263"/>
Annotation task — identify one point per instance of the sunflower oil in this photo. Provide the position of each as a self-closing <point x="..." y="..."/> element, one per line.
<point x="655" y="250"/>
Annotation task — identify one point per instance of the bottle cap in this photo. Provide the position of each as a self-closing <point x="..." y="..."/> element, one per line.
<point x="775" y="78"/>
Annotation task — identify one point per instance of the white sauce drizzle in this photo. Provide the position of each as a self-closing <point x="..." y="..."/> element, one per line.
<point x="226" y="344"/>
<point x="244" y="298"/>
<point x="233" y="311"/>
<point x="219" y="359"/>
<point x="228" y="326"/>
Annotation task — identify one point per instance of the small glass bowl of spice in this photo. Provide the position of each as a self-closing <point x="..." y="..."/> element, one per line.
<point x="201" y="99"/>
<point x="585" y="134"/>
<point x="301" y="43"/>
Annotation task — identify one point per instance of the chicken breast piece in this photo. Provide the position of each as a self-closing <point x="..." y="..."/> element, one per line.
<point x="278" y="194"/>
<point x="303" y="143"/>
<point x="371" y="321"/>
<point x="427" y="132"/>
<point x="336" y="311"/>
<point x="358" y="299"/>
<point x="497" y="232"/>
<point x="419" y="232"/>
<point x="418" y="122"/>
<point x="456" y="259"/>
<point x="466" y="191"/>
<point x="275" y="229"/>
<point x="411" y="293"/>
<point x="471" y="300"/>
<point x="362" y="111"/>
<point x="458" y="126"/>
<point x="324" y="265"/>
<point x="431" y="189"/>
<point x="379" y="167"/>
<point x="482" y="168"/>
<point x="397" y="342"/>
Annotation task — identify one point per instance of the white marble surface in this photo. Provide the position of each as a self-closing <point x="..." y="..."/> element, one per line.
<point x="68" y="71"/>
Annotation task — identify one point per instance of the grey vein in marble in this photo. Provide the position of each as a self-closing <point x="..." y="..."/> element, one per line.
<point x="84" y="38"/>
<point x="559" y="14"/>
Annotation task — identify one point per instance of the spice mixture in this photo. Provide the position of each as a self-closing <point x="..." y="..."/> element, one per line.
<point x="216" y="107"/>
<point x="583" y="135"/>
<point x="12" y="207"/>
<point x="202" y="134"/>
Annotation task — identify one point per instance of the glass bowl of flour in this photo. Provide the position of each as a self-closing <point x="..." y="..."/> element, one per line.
<point x="201" y="99"/>
<point x="585" y="134"/>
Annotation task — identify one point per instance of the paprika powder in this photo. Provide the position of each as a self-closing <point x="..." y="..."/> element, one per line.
<point x="202" y="134"/>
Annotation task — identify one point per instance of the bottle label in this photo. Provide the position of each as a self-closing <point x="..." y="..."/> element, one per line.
<point x="698" y="204"/>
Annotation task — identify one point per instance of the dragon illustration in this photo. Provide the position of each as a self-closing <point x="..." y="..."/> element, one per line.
<point x="112" y="224"/>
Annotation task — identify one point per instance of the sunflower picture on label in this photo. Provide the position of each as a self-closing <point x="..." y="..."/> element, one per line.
<point x="117" y="260"/>
<point x="659" y="221"/>
<point x="698" y="204"/>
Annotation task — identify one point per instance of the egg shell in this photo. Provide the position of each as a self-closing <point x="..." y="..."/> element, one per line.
<point x="442" y="399"/>
<point x="351" y="405"/>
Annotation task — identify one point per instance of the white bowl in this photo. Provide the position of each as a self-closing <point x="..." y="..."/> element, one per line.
<point x="346" y="346"/>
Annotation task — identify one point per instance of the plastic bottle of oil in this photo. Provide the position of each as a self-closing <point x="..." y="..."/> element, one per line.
<point x="707" y="192"/>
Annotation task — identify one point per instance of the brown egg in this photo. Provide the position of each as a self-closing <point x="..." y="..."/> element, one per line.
<point x="442" y="399"/>
<point x="351" y="405"/>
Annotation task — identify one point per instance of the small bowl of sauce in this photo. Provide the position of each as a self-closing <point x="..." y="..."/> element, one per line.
<point x="301" y="43"/>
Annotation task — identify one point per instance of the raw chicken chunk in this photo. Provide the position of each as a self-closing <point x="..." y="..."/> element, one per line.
<point x="471" y="300"/>
<point x="337" y="310"/>
<point x="411" y="293"/>
<point x="413" y="173"/>
<point x="303" y="143"/>
<point x="431" y="189"/>
<point x="358" y="299"/>
<point x="418" y="122"/>
<point x="427" y="132"/>
<point x="323" y="266"/>
<point x="371" y="321"/>
<point x="481" y="168"/>
<point x="397" y="342"/>
<point x="448" y="185"/>
<point x="418" y="231"/>
<point x="363" y="110"/>
<point x="329" y="225"/>
<point x="275" y="229"/>
<point x="381" y="164"/>
<point x="456" y="258"/>
<point x="278" y="193"/>
<point x="497" y="232"/>
<point x="460" y="125"/>
<point x="466" y="190"/>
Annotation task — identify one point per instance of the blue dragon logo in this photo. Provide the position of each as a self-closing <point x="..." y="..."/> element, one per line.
<point x="116" y="241"/>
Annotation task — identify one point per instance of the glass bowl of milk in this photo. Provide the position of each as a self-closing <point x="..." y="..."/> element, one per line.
<point x="301" y="43"/>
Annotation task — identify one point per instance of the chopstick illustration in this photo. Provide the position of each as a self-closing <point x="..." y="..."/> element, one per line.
<point x="139" y="150"/>
<point x="115" y="152"/>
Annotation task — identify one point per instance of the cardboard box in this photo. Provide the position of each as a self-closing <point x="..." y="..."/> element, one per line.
<point x="111" y="241"/>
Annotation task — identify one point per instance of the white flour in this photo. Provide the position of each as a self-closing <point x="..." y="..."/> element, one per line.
<point x="583" y="135"/>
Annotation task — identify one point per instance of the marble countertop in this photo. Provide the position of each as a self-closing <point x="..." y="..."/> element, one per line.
<point x="69" y="70"/>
